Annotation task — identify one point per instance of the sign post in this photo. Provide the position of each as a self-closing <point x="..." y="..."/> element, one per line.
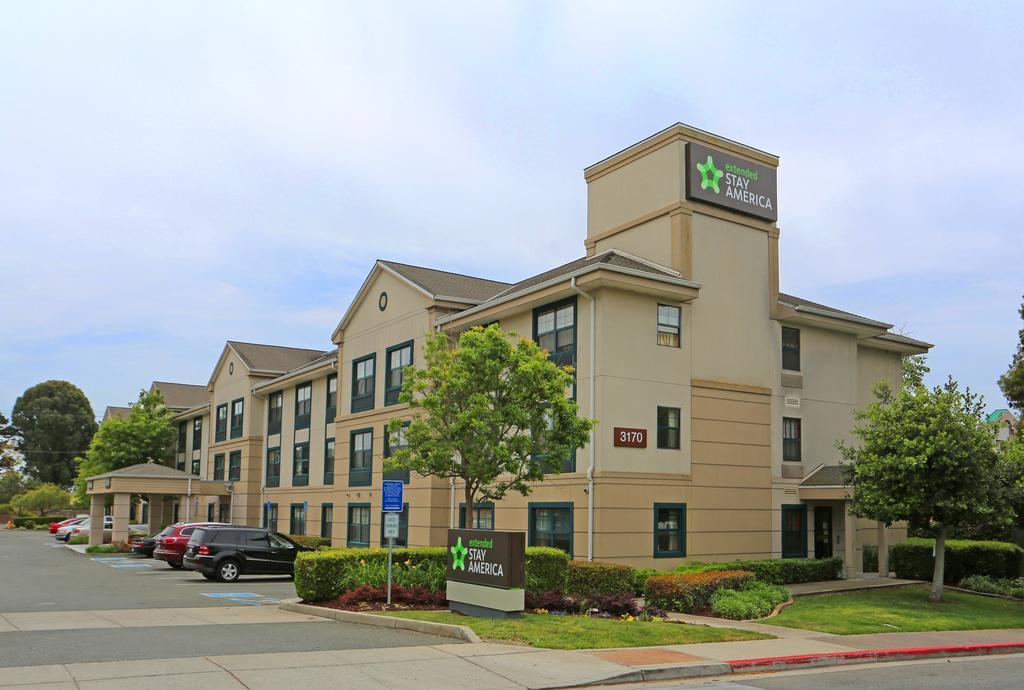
<point x="391" y="506"/>
<point x="486" y="572"/>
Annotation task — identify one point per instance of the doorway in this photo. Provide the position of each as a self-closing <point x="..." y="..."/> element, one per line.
<point x="823" y="532"/>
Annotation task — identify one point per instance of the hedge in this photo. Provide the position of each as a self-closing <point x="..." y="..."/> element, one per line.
<point x="754" y="600"/>
<point x="691" y="592"/>
<point x="869" y="561"/>
<point x="784" y="571"/>
<point x="312" y="542"/>
<point x="913" y="560"/>
<point x="321" y="575"/>
<point x="588" y="579"/>
<point x="31" y="522"/>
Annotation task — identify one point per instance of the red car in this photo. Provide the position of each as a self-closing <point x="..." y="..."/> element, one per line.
<point x="171" y="543"/>
<point x="54" y="526"/>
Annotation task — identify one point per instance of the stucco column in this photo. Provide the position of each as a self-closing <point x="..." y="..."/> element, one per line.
<point x="122" y="512"/>
<point x="156" y="513"/>
<point x="883" y="550"/>
<point x="96" y="506"/>
<point x="850" y="542"/>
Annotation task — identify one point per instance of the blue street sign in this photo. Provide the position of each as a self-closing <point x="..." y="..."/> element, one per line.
<point x="392" y="496"/>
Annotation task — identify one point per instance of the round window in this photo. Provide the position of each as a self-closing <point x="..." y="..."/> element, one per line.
<point x="231" y="367"/>
<point x="382" y="301"/>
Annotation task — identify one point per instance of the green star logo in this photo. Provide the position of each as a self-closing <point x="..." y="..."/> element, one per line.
<point x="459" y="555"/>
<point x="709" y="174"/>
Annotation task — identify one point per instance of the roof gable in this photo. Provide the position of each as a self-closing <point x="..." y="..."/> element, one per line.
<point x="181" y="396"/>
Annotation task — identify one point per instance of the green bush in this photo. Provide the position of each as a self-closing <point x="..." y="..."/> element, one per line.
<point x="81" y="539"/>
<point x="547" y="569"/>
<point x="640" y="576"/>
<point x="774" y="571"/>
<point x="41" y="525"/>
<point x="1007" y="587"/>
<point x="913" y="559"/>
<point x="691" y="592"/>
<point x="102" y="548"/>
<point x="753" y="600"/>
<point x="869" y="561"/>
<point x="588" y="579"/>
<point x="312" y="542"/>
<point x="31" y="522"/>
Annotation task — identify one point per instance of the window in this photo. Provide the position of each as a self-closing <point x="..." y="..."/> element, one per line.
<point x="483" y="516"/>
<point x="551" y="525"/>
<point x="554" y="329"/>
<point x="195" y="466"/>
<point x="269" y="516"/>
<point x="210" y="507"/>
<point x="332" y="396"/>
<point x="300" y="465"/>
<point x="275" y="406"/>
<point x="197" y="435"/>
<point x="791" y="348"/>
<point x="403" y="528"/>
<point x="668" y="427"/>
<point x="303" y="404"/>
<point x="329" y="461"/>
<point x="363" y="383"/>
<point x="393" y="442"/>
<point x="326" y="519"/>
<point x="669" y="530"/>
<point x="236" y="418"/>
<point x="360" y="458"/>
<point x="225" y="513"/>
<point x="182" y="436"/>
<point x="358" y="524"/>
<point x="668" y="325"/>
<point x="791" y="439"/>
<point x="794" y="531"/>
<point x="547" y="467"/>
<point x="235" y="465"/>
<point x="218" y="467"/>
<point x="397" y="358"/>
<point x="221" y="424"/>
<point x="297" y="519"/>
<point x="273" y="466"/>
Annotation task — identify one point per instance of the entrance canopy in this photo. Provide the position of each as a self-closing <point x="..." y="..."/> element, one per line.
<point x="151" y="478"/>
<point x="825" y="483"/>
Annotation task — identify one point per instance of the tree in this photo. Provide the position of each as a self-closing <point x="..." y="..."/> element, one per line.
<point x="492" y="411"/>
<point x="41" y="500"/>
<point x="926" y="456"/>
<point x="914" y="369"/>
<point x="9" y="435"/>
<point x="1012" y="382"/>
<point x="56" y="423"/>
<point x="1011" y="473"/>
<point x="13" y="483"/>
<point x="147" y="433"/>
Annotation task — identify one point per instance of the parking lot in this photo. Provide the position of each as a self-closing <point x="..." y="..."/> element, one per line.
<point x="59" y="604"/>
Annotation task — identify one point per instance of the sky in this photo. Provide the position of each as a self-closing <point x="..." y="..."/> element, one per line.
<point x="177" y="174"/>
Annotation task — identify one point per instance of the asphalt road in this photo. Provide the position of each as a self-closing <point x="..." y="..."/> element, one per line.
<point x="977" y="673"/>
<point x="37" y="576"/>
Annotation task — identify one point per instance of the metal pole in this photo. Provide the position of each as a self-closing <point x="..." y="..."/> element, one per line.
<point x="391" y="543"/>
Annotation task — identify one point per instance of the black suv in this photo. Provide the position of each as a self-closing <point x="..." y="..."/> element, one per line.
<point x="225" y="553"/>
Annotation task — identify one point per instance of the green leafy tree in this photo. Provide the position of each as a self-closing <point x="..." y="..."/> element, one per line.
<point x="56" y="423"/>
<point x="147" y="433"/>
<point x="9" y="435"/>
<point x="914" y="369"/>
<point x="1012" y="382"/>
<point x="41" y="500"/>
<point x="926" y="456"/>
<point x="13" y="483"/>
<point x="1011" y="473"/>
<point x="492" y="410"/>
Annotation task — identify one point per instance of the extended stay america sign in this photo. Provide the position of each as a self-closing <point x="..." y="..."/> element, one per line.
<point x="731" y="182"/>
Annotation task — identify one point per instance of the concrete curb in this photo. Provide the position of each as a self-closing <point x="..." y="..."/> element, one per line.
<point x="458" y="632"/>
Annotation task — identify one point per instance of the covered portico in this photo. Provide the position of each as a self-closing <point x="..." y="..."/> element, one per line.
<point x="829" y="498"/>
<point x="159" y="483"/>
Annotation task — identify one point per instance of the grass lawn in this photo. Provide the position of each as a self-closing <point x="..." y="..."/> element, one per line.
<point x="899" y="609"/>
<point x="574" y="632"/>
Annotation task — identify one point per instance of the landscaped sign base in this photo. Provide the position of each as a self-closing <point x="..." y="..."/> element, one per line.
<point x="483" y="601"/>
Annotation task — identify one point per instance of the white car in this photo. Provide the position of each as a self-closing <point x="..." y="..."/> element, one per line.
<point x="63" y="533"/>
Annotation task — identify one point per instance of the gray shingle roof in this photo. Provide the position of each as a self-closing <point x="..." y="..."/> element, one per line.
<point x="609" y="258"/>
<point x="116" y="412"/>
<point x="447" y="284"/>
<point x="274" y="358"/>
<point x="181" y="396"/>
<point x="146" y="469"/>
<point x="792" y="301"/>
<point x="829" y="475"/>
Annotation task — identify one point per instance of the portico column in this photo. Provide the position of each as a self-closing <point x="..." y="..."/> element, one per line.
<point x="850" y="542"/>
<point x="96" y="505"/>
<point x="156" y="513"/>
<point x="883" y="550"/>
<point x="122" y="511"/>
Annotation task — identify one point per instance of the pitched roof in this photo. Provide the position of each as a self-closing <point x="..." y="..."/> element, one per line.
<point x="274" y="358"/>
<point x="447" y="284"/>
<point x="116" y="412"/>
<point x="995" y="416"/>
<point x="797" y="302"/>
<point x="181" y="396"/>
<point x="827" y="475"/>
<point x="610" y="257"/>
<point x="151" y="470"/>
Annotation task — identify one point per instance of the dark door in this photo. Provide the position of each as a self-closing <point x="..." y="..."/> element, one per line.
<point x="283" y="553"/>
<point x="823" y="532"/>
<point x="255" y="548"/>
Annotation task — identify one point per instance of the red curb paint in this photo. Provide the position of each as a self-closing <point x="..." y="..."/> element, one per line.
<point x="740" y="665"/>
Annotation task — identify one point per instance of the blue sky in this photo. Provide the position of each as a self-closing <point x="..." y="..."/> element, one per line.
<point x="176" y="174"/>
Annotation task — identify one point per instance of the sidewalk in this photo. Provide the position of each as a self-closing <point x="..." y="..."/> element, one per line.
<point x="490" y="666"/>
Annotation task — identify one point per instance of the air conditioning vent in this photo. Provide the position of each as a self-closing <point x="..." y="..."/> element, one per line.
<point x="792" y="401"/>
<point x="789" y="492"/>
